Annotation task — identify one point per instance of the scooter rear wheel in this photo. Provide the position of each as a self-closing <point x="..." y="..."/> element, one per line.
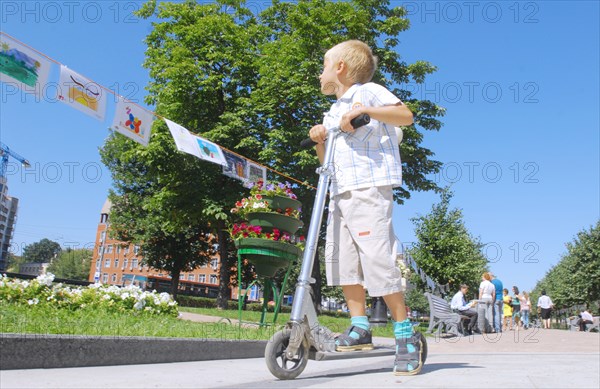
<point x="278" y="363"/>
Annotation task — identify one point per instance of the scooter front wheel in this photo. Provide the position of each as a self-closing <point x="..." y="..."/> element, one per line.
<point x="278" y="362"/>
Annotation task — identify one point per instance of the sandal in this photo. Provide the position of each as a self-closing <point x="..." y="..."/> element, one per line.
<point x="408" y="363"/>
<point x="344" y="342"/>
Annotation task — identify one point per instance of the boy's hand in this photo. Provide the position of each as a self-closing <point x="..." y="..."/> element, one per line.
<point x="347" y="117"/>
<point x="318" y="134"/>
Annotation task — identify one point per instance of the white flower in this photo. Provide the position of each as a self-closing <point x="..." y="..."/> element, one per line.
<point x="139" y="305"/>
<point x="125" y="296"/>
<point x="45" y="279"/>
<point x="33" y="301"/>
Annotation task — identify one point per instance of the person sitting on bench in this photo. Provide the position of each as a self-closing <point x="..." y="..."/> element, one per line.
<point x="459" y="305"/>
<point x="585" y="318"/>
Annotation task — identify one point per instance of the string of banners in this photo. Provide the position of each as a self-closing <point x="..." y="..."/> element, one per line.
<point x="29" y="70"/>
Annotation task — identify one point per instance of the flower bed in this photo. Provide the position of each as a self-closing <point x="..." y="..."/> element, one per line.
<point x="42" y="291"/>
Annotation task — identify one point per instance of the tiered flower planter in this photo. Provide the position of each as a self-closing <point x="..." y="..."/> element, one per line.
<point x="269" y="256"/>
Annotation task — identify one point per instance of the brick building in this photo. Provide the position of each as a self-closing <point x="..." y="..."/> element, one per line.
<point x="120" y="263"/>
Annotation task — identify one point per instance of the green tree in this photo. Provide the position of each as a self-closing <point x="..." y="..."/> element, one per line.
<point x="445" y="250"/>
<point x="43" y="251"/>
<point x="575" y="279"/>
<point x="247" y="81"/>
<point x="72" y="264"/>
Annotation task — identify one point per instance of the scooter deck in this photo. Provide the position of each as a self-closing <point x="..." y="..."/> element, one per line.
<point x="378" y="351"/>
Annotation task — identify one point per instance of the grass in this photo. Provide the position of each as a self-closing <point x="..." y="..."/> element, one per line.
<point x="38" y="319"/>
<point x="335" y="324"/>
<point x="44" y="320"/>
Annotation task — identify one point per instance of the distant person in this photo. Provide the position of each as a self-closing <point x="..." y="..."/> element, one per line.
<point x="545" y="307"/>
<point x="460" y="305"/>
<point x="497" y="311"/>
<point x="585" y="318"/>
<point x="487" y="294"/>
<point x="516" y="307"/>
<point x="525" y="309"/>
<point x="507" y="310"/>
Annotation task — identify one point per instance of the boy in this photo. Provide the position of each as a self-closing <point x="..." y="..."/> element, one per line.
<point x="361" y="245"/>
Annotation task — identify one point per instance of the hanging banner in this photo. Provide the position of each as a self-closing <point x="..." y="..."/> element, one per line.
<point x="81" y="93"/>
<point x="192" y="144"/>
<point x="210" y="151"/>
<point x="183" y="139"/>
<point x="236" y="166"/>
<point x="132" y="121"/>
<point x="256" y="173"/>
<point x="22" y="67"/>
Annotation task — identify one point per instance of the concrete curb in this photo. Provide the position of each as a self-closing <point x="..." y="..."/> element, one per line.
<point x="31" y="351"/>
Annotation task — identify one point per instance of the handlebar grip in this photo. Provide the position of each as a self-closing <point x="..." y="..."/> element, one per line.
<point x="358" y="121"/>
<point x="307" y="143"/>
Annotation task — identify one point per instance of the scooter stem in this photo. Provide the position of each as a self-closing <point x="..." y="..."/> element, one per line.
<point x="310" y="250"/>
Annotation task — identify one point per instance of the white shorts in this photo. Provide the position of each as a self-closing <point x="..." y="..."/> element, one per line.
<point x="361" y="247"/>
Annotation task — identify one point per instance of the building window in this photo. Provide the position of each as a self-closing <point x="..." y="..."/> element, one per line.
<point x="109" y="249"/>
<point x="102" y="236"/>
<point x="213" y="278"/>
<point x="191" y="277"/>
<point x="98" y="263"/>
<point x="134" y="263"/>
<point x="118" y="249"/>
<point x="214" y="263"/>
<point x="100" y="249"/>
<point x="126" y="251"/>
<point x="125" y="263"/>
<point x="136" y="249"/>
<point x="114" y="278"/>
<point x="104" y="278"/>
<point x="107" y="263"/>
<point x="116" y="263"/>
<point x="202" y="278"/>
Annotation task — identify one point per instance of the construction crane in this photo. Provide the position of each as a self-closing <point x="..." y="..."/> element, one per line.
<point x="6" y="152"/>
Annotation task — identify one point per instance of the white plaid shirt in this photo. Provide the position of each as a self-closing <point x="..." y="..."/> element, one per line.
<point x="370" y="156"/>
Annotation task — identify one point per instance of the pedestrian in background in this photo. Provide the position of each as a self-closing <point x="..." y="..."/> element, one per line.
<point x="525" y="309"/>
<point x="497" y="311"/>
<point x="545" y="306"/>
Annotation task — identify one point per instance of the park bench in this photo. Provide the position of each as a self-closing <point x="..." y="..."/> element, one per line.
<point x="441" y="315"/>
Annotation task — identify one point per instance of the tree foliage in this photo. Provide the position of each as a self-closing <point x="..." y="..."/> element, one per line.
<point x="72" y="264"/>
<point x="43" y="251"/>
<point x="575" y="280"/>
<point x="445" y="250"/>
<point x="249" y="82"/>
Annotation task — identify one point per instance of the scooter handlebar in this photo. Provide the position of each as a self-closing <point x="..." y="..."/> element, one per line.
<point x="358" y="121"/>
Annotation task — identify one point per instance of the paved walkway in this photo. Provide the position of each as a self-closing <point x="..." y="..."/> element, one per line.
<point x="526" y="359"/>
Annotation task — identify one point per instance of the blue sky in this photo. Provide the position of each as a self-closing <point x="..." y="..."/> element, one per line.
<point x="520" y="142"/>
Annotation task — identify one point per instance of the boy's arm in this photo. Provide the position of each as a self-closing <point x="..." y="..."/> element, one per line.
<point x="319" y="135"/>
<point x="396" y="115"/>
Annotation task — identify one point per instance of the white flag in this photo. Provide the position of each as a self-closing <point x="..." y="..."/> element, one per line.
<point x="133" y="121"/>
<point x="22" y="67"/>
<point x="236" y="166"/>
<point x="184" y="141"/>
<point x="256" y="173"/>
<point x="210" y="151"/>
<point x="81" y="93"/>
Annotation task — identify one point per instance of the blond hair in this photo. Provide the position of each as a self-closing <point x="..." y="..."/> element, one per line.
<point x="357" y="56"/>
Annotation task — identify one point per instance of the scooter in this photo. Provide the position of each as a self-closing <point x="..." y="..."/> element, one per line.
<point x="303" y="338"/>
